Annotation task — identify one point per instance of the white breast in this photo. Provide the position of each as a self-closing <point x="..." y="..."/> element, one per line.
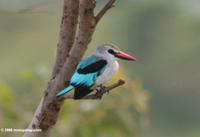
<point x="108" y="73"/>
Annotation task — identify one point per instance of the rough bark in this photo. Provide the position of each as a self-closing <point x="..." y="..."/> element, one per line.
<point x="70" y="50"/>
<point x="67" y="33"/>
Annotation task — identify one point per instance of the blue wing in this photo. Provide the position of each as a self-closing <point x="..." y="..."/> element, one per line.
<point x="85" y="76"/>
<point x="88" y="70"/>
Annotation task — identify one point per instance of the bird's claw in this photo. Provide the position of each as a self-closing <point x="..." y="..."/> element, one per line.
<point x="99" y="90"/>
<point x="102" y="88"/>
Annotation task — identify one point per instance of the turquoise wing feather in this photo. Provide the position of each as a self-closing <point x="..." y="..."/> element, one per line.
<point x="66" y="90"/>
<point x="88" y="70"/>
<point x="85" y="75"/>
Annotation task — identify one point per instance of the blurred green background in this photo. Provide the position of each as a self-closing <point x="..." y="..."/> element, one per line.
<point x="161" y="97"/>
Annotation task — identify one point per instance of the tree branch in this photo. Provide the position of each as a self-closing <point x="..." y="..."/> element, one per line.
<point x="104" y="10"/>
<point x="99" y="93"/>
<point x="67" y="33"/>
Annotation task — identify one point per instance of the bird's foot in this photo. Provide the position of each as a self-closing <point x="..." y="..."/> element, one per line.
<point x="103" y="88"/>
<point x="99" y="90"/>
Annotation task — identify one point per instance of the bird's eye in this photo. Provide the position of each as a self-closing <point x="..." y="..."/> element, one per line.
<point x="111" y="51"/>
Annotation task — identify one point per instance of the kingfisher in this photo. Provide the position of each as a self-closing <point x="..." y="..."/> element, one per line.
<point x="95" y="70"/>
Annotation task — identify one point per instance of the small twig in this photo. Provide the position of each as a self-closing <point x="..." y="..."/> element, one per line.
<point x="98" y="94"/>
<point x="104" y="10"/>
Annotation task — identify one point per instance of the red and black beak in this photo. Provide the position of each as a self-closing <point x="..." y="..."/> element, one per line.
<point x="125" y="56"/>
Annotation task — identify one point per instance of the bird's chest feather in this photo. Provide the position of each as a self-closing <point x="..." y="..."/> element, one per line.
<point x="108" y="74"/>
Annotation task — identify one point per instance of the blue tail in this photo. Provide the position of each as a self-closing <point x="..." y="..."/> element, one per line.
<point x="64" y="91"/>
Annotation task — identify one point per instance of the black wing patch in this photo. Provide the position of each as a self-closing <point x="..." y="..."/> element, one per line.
<point x="94" y="67"/>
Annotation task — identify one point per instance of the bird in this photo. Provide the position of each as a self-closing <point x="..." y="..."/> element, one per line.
<point x="95" y="70"/>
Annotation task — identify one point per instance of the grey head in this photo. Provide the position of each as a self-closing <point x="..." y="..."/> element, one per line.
<point x="111" y="52"/>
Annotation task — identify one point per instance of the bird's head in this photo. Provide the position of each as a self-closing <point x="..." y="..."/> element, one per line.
<point x="112" y="51"/>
